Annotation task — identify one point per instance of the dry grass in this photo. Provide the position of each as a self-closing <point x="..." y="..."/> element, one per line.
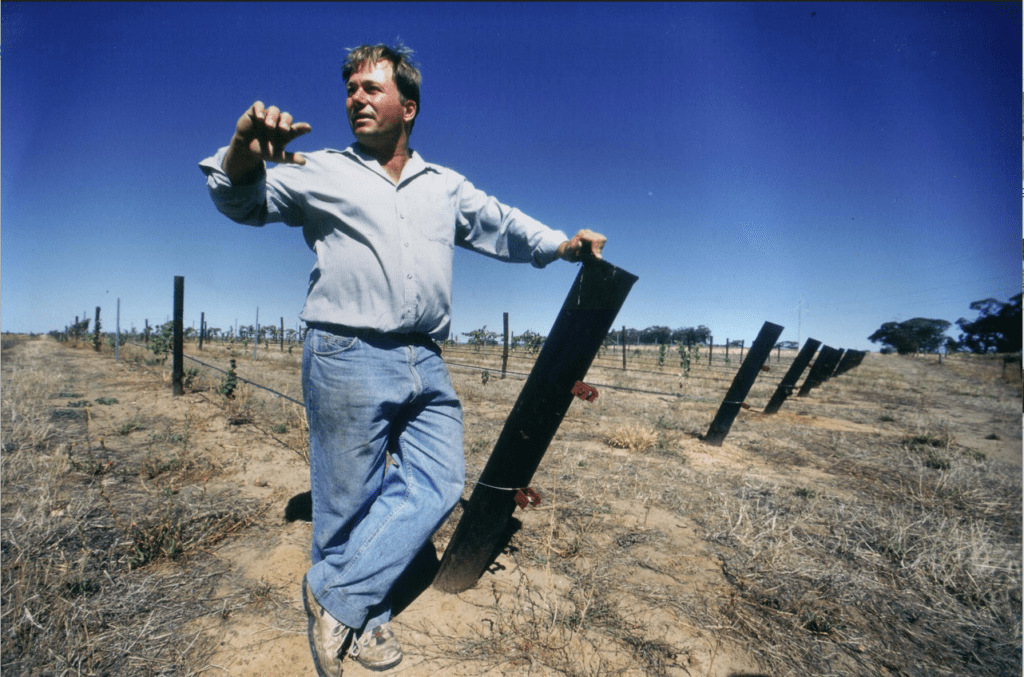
<point x="862" y="532"/>
<point x="103" y="550"/>
<point x="633" y="437"/>
<point x="902" y="557"/>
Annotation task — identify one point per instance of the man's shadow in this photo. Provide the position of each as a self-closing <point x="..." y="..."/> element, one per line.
<point x="420" y="573"/>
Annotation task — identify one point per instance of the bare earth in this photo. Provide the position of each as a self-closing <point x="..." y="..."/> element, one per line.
<point x="640" y="561"/>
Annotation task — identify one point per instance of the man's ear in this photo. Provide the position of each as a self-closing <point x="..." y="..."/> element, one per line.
<point x="410" y="110"/>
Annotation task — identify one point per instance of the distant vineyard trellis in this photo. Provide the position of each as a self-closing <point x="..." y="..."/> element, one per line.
<point x="682" y="361"/>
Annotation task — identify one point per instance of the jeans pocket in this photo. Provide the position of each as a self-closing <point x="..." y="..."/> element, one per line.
<point x="325" y="344"/>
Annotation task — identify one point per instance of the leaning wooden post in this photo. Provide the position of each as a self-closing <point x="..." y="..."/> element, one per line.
<point x="504" y="352"/>
<point x="823" y="366"/>
<point x="759" y="352"/>
<point x="846" y="362"/>
<point x="838" y="360"/>
<point x="178" y="348"/>
<point x="581" y="326"/>
<point x="788" y="382"/>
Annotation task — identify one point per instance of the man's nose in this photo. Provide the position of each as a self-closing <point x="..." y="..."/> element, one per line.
<point x="358" y="97"/>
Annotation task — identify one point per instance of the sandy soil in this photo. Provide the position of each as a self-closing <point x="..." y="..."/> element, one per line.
<point x="272" y="556"/>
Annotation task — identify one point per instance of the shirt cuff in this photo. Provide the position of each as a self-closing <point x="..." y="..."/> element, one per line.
<point x="235" y="202"/>
<point x="546" y="250"/>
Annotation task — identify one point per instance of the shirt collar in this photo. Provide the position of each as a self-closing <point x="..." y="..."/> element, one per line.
<point x="413" y="168"/>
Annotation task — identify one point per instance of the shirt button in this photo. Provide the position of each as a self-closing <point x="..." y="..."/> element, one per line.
<point x="409" y="276"/>
<point x="401" y="216"/>
<point x="406" y="244"/>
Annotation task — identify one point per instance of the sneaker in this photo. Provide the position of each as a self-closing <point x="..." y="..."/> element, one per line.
<point x="327" y="636"/>
<point x="377" y="649"/>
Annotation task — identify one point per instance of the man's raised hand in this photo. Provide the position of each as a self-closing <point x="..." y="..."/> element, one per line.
<point x="262" y="133"/>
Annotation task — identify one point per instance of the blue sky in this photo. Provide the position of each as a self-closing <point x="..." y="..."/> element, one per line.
<point x="824" y="166"/>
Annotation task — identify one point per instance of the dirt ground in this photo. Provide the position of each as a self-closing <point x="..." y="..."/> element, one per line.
<point x="627" y="567"/>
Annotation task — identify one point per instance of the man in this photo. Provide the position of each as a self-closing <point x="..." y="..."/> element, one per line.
<point x="383" y="224"/>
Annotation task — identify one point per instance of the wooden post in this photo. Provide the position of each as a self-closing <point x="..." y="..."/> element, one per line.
<point x="847" y="362"/>
<point x="835" y="366"/>
<point x="759" y="352"/>
<point x="117" y="334"/>
<point x="147" y="331"/>
<point x="711" y="348"/>
<point x="178" y="348"/>
<point x="202" y="328"/>
<point x="581" y="326"/>
<point x="788" y="382"/>
<point x="504" y="352"/>
<point x="96" y="340"/>
<point x="623" y="347"/>
<point x="742" y="343"/>
<point x="823" y="367"/>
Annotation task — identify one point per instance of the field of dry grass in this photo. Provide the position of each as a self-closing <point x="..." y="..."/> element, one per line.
<point x="871" y="528"/>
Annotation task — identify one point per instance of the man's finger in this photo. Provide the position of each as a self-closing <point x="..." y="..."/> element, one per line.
<point x="257" y="112"/>
<point x="294" y="158"/>
<point x="272" y="115"/>
<point x="300" y="128"/>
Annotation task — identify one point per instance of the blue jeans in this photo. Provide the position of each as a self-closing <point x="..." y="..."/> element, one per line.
<point x="367" y="395"/>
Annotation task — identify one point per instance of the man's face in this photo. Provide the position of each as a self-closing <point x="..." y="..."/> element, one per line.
<point x="374" y="107"/>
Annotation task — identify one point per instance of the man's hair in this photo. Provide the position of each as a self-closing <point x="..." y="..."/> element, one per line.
<point x="407" y="75"/>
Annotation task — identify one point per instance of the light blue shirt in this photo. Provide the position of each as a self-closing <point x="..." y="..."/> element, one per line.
<point x="384" y="252"/>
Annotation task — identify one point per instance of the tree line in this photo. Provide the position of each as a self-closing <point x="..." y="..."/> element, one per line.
<point x="996" y="329"/>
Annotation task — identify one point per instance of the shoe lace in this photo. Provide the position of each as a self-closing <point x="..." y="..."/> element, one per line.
<point x="364" y="640"/>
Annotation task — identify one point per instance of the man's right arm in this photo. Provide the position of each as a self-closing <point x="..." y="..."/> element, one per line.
<point x="261" y="134"/>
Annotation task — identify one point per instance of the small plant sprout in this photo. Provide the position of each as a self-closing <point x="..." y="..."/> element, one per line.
<point x="229" y="383"/>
